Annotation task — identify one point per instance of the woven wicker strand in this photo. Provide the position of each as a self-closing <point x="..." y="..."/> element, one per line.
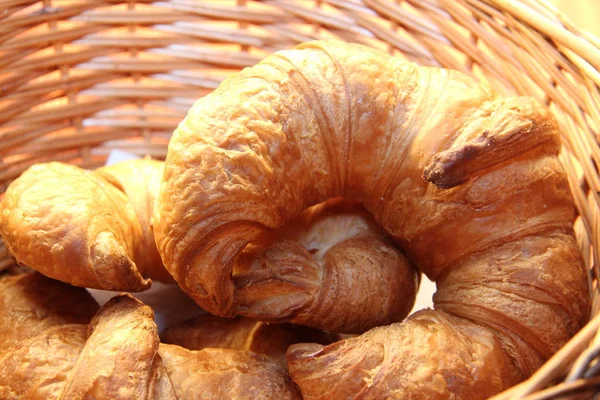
<point x="81" y="78"/>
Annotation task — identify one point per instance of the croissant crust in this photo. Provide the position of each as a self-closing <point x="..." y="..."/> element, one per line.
<point x="115" y="355"/>
<point x="87" y="228"/>
<point x="466" y="183"/>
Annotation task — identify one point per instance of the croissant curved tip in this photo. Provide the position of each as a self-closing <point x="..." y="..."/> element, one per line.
<point x="113" y="267"/>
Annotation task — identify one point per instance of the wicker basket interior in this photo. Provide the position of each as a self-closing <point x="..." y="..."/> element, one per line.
<point x="81" y="78"/>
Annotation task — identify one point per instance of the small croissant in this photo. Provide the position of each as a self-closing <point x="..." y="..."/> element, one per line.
<point x="31" y="303"/>
<point x="117" y="356"/>
<point x="87" y="228"/>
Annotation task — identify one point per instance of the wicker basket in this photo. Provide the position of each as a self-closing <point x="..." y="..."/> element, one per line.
<point x="81" y="78"/>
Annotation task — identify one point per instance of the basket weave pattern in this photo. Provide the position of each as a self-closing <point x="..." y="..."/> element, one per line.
<point x="81" y="78"/>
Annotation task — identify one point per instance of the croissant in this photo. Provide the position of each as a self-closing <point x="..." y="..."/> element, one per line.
<point x="467" y="183"/>
<point x="209" y="331"/>
<point x="90" y="229"/>
<point x="118" y="356"/>
<point x="39" y="303"/>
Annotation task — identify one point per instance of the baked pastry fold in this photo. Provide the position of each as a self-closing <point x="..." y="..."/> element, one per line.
<point x="87" y="228"/>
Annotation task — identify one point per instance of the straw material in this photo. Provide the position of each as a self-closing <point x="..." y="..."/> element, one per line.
<point x="80" y="78"/>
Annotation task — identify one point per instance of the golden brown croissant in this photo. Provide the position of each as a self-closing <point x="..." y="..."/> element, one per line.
<point x="118" y="356"/>
<point x="86" y="228"/>
<point x="241" y="333"/>
<point x="31" y="303"/>
<point x="466" y="182"/>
